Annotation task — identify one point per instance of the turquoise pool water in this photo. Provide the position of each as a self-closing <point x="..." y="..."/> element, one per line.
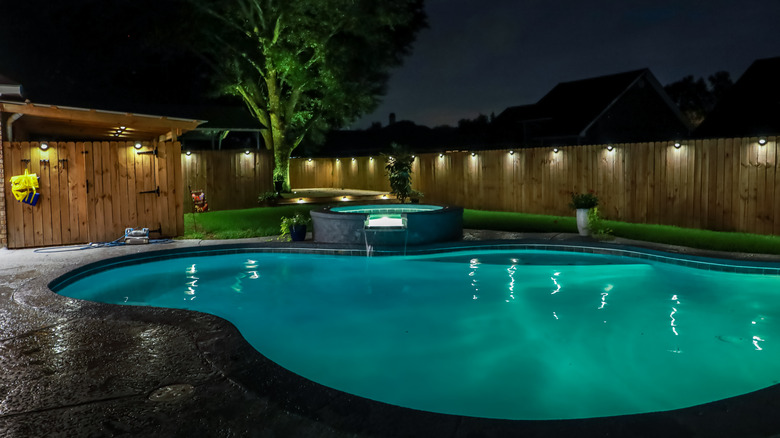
<point x="497" y="334"/>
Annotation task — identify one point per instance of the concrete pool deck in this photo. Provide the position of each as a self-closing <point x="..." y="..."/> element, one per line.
<point x="74" y="368"/>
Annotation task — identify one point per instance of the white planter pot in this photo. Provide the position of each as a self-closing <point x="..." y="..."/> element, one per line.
<point x="582" y="221"/>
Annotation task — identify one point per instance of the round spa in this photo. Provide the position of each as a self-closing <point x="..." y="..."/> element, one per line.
<point x="388" y="225"/>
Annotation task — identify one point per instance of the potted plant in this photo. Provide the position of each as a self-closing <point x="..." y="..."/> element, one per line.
<point x="583" y="202"/>
<point x="294" y="228"/>
<point x="398" y="168"/>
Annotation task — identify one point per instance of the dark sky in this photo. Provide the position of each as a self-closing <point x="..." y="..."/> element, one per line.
<point x="483" y="56"/>
<point x="477" y="56"/>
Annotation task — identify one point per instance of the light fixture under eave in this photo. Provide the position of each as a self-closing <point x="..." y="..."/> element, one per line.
<point x="762" y="141"/>
<point x="44" y="146"/>
<point x="138" y="145"/>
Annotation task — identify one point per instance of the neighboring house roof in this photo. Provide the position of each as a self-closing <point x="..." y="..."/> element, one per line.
<point x="751" y="107"/>
<point x="571" y="109"/>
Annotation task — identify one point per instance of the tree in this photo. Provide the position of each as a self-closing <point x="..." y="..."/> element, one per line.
<point x="304" y="66"/>
<point x="696" y="98"/>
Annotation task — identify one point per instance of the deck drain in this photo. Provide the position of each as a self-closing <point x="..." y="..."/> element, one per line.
<point x="172" y="392"/>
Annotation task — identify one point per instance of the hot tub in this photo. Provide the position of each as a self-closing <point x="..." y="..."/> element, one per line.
<point x="388" y="225"/>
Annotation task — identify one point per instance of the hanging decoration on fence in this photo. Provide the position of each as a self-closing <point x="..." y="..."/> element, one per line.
<point x="24" y="188"/>
<point x="199" y="199"/>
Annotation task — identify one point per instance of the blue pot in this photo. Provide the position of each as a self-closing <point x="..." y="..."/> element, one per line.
<point x="298" y="233"/>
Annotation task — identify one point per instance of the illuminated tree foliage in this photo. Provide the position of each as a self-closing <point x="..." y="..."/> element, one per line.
<point x="303" y="66"/>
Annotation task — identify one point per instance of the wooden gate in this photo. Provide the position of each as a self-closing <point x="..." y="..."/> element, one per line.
<point x="92" y="191"/>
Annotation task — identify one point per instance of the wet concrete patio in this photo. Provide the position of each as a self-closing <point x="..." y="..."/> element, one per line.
<point x="75" y="368"/>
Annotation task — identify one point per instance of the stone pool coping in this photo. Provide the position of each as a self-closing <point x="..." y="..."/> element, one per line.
<point x="96" y="379"/>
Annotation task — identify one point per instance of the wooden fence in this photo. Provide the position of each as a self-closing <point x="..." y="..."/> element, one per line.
<point x="92" y="191"/>
<point x="230" y="179"/>
<point x="730" y="184"/>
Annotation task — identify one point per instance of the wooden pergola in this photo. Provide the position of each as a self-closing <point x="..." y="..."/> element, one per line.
<point x="61" y="122"/>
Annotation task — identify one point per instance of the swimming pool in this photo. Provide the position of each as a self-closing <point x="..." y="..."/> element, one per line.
<point x="518" y="334"/>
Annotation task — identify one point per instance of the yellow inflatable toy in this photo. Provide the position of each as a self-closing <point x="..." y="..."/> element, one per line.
<point x="24" y="188"/>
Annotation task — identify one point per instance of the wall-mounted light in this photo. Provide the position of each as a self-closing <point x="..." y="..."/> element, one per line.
<point x="138" y="145"/>
<point x="343" y="198"/>
<point x="762" y="141"/>
<point x="189" y="153"/>
<point x="44" y="146"/>
<point x="511" y="152"/>
<point x="370" y="158"/>
<point x="610" y="147"/>
<point x="413" y="156"/>
<point x="301" y="201"/>
<point x="555" y="150"/>
<point x="473" y="154"/>
<point x="247" y="152"/>
<point x="677" y="145"/>
<point x="354" y="159"/>
<point x="384" y="196"/>
<point x="309" y="160"/>
<point x="441" y="155"/>
<point x="337" y="160"/>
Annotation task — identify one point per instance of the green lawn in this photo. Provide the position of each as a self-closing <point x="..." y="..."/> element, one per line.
<point x="257" y="222"/>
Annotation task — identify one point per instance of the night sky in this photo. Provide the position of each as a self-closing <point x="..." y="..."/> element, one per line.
<point x="476" y="56"/>
<point x="484" y="56"/>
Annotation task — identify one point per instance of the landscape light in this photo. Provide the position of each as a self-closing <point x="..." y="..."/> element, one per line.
<point x="138" y="145"/>
<point x="610" y="147"/>
<point x="677" y="145"/>
<point x="762" y="141"/>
